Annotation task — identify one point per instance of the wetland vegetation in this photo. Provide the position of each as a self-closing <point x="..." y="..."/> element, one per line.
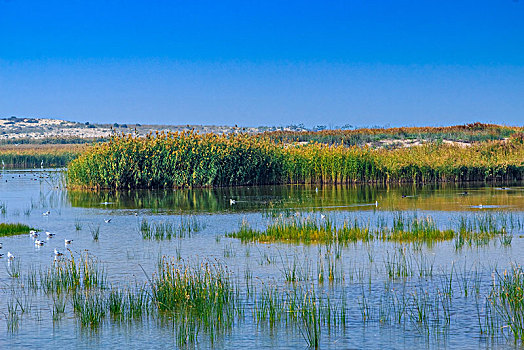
<point x="7" y="229"/>
<point x="326" y="262"/>
<point x="187" y="159"/>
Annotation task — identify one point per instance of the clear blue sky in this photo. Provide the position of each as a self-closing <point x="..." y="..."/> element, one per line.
<point x="361" y="62"/>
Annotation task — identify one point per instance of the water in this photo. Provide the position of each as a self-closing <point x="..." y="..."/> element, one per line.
<point x="361" y="269"/>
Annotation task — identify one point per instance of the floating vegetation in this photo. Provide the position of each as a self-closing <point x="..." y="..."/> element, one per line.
<point x="167" y="230"/>
<point x="13" y="229"/>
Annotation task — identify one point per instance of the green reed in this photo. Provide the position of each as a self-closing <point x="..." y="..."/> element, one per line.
<point x="70" y="274"/>
<point x="402" y="229"/>
<point x="95" y="231"/>
<point x="90" y="308"/>
<point x="168" y="230"/>
<point x="507" y="298"/>
<point x="13" y="229"/>
<point x="203" y="292"/>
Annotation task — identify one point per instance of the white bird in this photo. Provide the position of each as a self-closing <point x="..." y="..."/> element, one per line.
<point x="10" y="256"/>
<point x="39" y="242"/>
<point x="232" y="201"/>
<point x="0" y="245"/>
<point x="480" y="206"/>
<point x="57" y="253"/>
<point x="322" y="216"/>
<point x="3" y="164"/>
<point x="33" y="234"/>
<point x="68" y="241"/>
<point x="316" y="189"/>
<point x="42" y="164"/>
<point x="46" y="213"/>
<point x="49" y="234"/>
<point x="376" y="203"/>
<point x="107" y="221"/>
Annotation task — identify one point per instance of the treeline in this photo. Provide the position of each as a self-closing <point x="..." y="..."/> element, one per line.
<point x="187" y="159"/>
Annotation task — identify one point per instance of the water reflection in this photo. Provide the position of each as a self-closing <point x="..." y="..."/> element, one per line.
<point x="440" y="197"/>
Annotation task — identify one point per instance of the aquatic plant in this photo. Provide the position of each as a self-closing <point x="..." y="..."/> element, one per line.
<point x="13" y="229"/>
<point x="167" y="230"/>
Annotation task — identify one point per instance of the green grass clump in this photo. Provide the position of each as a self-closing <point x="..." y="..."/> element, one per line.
<point x="507" y="297"/>
<point x="13" y="229"/>
<point x="67" y="275"/>
<point x="403" y="230"/>
<point x="195" y="296"/>
<point x="168" y="230"/>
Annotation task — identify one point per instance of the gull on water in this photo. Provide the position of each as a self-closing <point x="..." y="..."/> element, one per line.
<point x="68" y="241"/>
<point x="33" y="234"/>
<point x="322" y="216"/>
<point x="107" y="221"/>
<point x="49" y="234"/>
<point x="57" y="253"/>
<point x="46" y="213"/>
<point x="10" y="256"/>
<point x="39" y="242"/>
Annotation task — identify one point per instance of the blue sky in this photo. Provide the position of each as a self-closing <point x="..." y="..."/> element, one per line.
<point x="264" y="62"/>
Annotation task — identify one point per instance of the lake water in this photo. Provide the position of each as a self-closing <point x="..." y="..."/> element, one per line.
<point x="362" y="277"/>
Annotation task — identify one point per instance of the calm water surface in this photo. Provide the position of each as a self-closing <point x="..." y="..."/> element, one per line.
<point x="362" y="276"/>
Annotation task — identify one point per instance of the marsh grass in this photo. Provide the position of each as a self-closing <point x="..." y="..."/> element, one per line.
<point x="90" y="308"/>
<point x="74" y="273"/>
<point x="13" y="229"/>
<point x="507" y="298"/>
<point x="474" y="231"/>
<point x="78" y="225"/>
<point x="168" y="230"/>
<point x="13" y="268"/>
<point x="202" y="293"/>
<point x="95" y="231"/>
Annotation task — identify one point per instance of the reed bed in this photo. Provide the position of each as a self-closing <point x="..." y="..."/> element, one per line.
<point x="7" y="229"/>
<point x="35" y="156"/>
<point x="188" y="159"/>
